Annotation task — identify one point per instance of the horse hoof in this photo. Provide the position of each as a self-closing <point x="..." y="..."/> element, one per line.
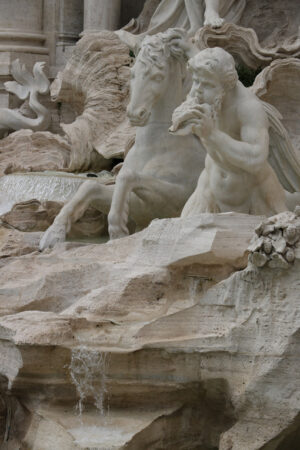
<point x="117" y="232"/>
<point x="54" y="234"/>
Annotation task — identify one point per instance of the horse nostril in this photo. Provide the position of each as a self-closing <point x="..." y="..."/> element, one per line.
<point x="137" y="115"/>
<point x="142" y="113"/>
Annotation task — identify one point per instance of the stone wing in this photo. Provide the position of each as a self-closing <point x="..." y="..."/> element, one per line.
<point x="283" y="157"/>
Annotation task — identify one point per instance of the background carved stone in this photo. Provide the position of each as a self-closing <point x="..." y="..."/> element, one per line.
<point x="244" y="45"/>
<point x="14" y="243"/>
<point x="96" y="82"/>
<point x="279" y="84"/>
<point x="275" y="22"/>
<point x="140" y="24"/>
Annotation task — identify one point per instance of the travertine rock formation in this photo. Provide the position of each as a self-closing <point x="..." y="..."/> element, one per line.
<point x="28" y="151"/>
<point x="38" y="216"/>
<point x="14" y="243"/>
<point x="159" y="328"/>
<point x="185" y="335"/>
<point x="31" y="215"/>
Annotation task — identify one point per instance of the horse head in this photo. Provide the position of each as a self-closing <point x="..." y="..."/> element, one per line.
<point x="151" y="73"/>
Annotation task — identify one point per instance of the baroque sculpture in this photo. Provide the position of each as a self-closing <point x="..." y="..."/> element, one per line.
<point x="24" y="86"/>
<point x="233" y="126"/>
<point x="189" y="15"/>
<point x="160" y="172"/>
<point x="186" y="334"/>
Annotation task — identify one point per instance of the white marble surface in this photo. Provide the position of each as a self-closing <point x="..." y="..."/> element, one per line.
<point x="157" y="176"/>
<point x="233" y="125"/>
<point x="26" y="86"/>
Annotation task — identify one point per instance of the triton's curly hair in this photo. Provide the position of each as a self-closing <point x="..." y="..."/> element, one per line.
<point x="217" y="62"/>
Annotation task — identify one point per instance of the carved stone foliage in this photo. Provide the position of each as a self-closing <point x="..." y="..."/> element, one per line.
<point x="95" y="82"/>
<point x="276" y="243"/>
<point x="26" y="86"/>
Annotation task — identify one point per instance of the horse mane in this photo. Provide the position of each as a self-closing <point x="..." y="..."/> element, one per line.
<point x="155" y="49"/>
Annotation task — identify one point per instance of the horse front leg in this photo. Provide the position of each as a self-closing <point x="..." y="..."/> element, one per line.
<point x="119" y="211"/>
<point x="162" y="198"/>
<point x="90" y="192"/>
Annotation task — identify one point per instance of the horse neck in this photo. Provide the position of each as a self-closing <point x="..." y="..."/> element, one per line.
<point x="173" y="96"/>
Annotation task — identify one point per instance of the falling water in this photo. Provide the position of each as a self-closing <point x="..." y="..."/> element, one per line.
<point x="88" y="370"/>
<point x="42" y="186"/>
<point x="193" y="288"/>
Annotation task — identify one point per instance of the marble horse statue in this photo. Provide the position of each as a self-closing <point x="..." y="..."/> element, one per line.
<point x="161" y="171"/>
<point x="24" y="86"/>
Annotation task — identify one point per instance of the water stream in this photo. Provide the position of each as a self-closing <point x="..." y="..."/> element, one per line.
<point x="194" y="285"/>
<point x="88" y="369"/>
<point x="42" y="186"/>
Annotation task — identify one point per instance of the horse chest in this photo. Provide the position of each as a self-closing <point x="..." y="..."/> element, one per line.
<point x="154" y="140"/>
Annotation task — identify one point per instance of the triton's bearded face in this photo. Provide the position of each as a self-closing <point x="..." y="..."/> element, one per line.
<point x="206" y="88"/>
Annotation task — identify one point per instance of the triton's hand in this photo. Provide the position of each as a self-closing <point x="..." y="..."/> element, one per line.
<point x="192" y="118"/>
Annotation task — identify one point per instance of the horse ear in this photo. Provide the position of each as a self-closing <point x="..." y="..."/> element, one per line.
<point x="179" y="45"/>
<point x="133" y="41"/>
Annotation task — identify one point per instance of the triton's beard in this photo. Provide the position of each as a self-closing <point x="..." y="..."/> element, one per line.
<point x="184" y="116"/>
<point x="216" y="106"/>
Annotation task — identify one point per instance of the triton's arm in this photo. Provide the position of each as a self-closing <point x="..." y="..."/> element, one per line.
<point x="249" y="152"/>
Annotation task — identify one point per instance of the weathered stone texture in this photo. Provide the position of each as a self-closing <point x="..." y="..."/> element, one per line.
<point x="161" y="328"/>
